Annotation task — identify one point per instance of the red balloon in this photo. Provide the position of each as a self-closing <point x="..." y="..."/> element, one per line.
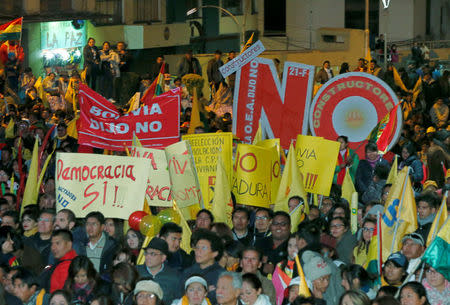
<point x="135" y="218"/>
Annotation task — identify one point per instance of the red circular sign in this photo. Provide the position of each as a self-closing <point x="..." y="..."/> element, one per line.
<point x="352" y="104"/>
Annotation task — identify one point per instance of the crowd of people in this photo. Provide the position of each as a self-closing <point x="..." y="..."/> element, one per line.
<point x="50" y="257"/>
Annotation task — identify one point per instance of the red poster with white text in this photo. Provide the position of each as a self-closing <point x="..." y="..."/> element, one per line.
<point x="281" y="107"/>
<point x="156" y="125"/>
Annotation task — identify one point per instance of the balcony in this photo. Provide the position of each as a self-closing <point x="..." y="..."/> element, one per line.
<point x="100" y="12"/>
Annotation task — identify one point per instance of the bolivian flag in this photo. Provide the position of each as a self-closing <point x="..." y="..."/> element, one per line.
<point x="11" y="30"/>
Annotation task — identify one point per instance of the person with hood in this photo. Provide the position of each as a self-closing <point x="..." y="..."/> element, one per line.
<point x="318" y="274"/>
<point x="438" y="155"/>
<point x="410" y="159"/>
<point x="375" y="189"/>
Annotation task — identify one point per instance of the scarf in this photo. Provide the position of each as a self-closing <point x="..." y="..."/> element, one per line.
<point x="30" y="232"/>
<point x="185" y="301"/>
<point x="342" y="158"/>
<point x="424" y="221"/>
<point x="374" y="162"/>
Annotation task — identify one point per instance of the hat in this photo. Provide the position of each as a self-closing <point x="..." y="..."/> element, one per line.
<point x="374" y="210"/>
<point x="294" y="281"/>
<point x="415" y="237"/>
<point x="196" y="279"/>
<point x="328" y="241"/>
<point x="431" y="129"/>
<point x="429" y="183"/>
<point x="315" y="267"/>
<point x="398" y="259"/>
<point x="158" y="244"/>
<point x="149" y="286"/>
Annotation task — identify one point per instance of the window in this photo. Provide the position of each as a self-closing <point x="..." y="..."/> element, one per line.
<point x="233" y="6"/>
<point x="147" y="11"/>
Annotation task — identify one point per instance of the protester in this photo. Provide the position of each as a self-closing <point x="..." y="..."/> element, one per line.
<point x="195" y="291"/>
<point x="413" y="293"/>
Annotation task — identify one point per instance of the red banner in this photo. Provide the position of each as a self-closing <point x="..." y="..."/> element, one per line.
<point x="282" y="107"/>
<point x="352" y="104"/>
<point x="102" y="126"/>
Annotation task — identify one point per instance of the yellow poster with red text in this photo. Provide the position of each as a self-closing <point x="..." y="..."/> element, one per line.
<point x="316" y="159"/>
<point x="252" y="175"/>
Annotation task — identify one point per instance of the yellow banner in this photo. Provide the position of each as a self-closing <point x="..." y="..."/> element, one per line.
<point x="316" y="158"/>
<point x="185" y="187"/>
<point x="252" y="171"/>
<point x="205" y="149"/>
<point x="158" y="182"/>
<point x="275" y="147"/>
<point x="113" y="185"/>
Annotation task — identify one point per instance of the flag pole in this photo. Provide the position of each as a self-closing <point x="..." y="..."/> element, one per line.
<point x="399" y="211"/>
<point x="439" y="216"/>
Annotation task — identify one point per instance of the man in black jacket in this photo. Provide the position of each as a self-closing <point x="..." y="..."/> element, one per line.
<point x="214" y="75"/>
<point x="177" y="258"/>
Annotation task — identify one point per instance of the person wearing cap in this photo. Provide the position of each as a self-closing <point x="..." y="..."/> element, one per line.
<point x="208" y="250"/>
<point x="413" y="246"/>
<point x="394" y="269"/>
<point x="155" y="269"/>
<point x="318" y="274"/>
<point x="427" y="203"/>
<point x="148" y="292"/>
<point x="195" y="291"/>
<point x="430" y="186"/>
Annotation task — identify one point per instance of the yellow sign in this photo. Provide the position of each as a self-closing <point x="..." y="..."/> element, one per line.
<point x="185" y="187"/>
<point x="252" y="171"/>
<point x="158" y="183"/>
<point x="275" y="147"/>
<point x="113" y="185"/>
<point x="316" y="158"/>
<point x="205" y="149"/>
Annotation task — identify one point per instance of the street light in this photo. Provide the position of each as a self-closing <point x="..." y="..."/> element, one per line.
<point x="241" y="28"/>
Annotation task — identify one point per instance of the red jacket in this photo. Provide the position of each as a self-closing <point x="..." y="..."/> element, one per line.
<point x="59" y="275"/>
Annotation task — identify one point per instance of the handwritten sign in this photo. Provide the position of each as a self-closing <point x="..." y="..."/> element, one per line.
<point x="158" y="184"/>
<point x="205" y="149"/>
<point x="252" y="175"/>
<point x="113" y="185"/>
<point x="243" y="59"/>
<point x="316" y="159"/>
<point x="185" y="186"/>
